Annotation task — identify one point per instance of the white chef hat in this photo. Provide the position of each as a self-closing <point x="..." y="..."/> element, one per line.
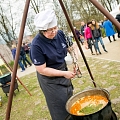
<point x="45" y="19"/>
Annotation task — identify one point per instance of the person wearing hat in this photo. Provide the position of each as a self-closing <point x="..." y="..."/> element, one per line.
<point x="48" y="50"/>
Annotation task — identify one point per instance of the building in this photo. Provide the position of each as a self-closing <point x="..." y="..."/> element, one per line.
<point x="6" y="52"/>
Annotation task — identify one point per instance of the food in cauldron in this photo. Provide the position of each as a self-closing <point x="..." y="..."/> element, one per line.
<point x="88" y="105"/>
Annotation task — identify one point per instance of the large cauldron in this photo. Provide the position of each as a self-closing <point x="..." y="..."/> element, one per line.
<point x="103" y="114"/>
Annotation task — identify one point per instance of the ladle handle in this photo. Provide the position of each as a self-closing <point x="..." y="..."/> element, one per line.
<point x="104" y="90"/>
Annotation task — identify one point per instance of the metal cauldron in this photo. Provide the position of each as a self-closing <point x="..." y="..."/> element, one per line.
<point x="103" y="114"/>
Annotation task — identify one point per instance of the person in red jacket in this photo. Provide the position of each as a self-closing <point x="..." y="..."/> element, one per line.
<point x="89" y="38"/>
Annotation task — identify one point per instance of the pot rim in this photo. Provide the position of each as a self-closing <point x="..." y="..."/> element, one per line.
<point x="108" y="97"/>
<point x="106" y="93"/>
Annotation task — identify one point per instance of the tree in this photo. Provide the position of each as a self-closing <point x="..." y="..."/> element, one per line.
<point x="108" y="4"/>
<point x="7" y="25"/>
<point x="78" y="10"/>
<point x="7" y="30"/>
<point x="118" y="1"/>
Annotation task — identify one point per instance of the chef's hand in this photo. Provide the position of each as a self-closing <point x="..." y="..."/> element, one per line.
<point x="69" y="74"/>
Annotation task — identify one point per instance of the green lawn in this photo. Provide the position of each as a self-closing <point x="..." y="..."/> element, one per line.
<point x="25" y="107"/>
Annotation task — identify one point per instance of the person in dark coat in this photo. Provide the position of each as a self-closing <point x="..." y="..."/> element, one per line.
<point x="48" y="52"/>
<point x="78" y="35"/>
<point x="24" y="58"/>
<point x="82" y="28"/>
<point x="109" y="30"/>
<point x="13" y="50"/>
<point x="118" y="19"/>
<point x="96" y="31"/>
<point x="26" y="48"/>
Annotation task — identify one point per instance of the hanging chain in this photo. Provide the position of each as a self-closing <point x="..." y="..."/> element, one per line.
<point x="74" y="57"/>
<point x="75" y="62"/>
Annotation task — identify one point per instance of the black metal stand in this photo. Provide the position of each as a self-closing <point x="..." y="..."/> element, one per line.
<point x="6" y="88"/>
<point x="5" y="81"/>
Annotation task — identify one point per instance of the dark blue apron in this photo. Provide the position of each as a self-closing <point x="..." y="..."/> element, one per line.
<point x="57" y="91"/>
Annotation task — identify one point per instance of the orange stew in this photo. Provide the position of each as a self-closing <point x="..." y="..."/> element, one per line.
<point x="88" y="105"/>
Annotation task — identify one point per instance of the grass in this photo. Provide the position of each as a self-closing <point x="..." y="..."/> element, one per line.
<point x="106" y="75"/>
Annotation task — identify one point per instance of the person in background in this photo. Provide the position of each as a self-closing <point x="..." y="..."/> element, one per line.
<point x="78" y="35"/>
<point x="29" y="44"/>
<point x="24" y="58"/>
<point x="48" y="52"/>
<point x="13" y="50"/>
<point x="101" y="23"/>
<point x="97" y="35"/>
<point x="89" y="38"/>
<point x="26" y="48"/>
<point x="109" y="30"/>
<point x="82" y="28"/>
<point x="118" y="19"/>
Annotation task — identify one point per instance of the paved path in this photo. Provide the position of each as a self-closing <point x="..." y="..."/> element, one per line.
<point x="113" y="49"/>
<point x="113" y="54"/>
<point x="28" y="70"/>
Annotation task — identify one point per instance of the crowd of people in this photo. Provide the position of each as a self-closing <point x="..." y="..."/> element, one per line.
<point x="90" y="34"/>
